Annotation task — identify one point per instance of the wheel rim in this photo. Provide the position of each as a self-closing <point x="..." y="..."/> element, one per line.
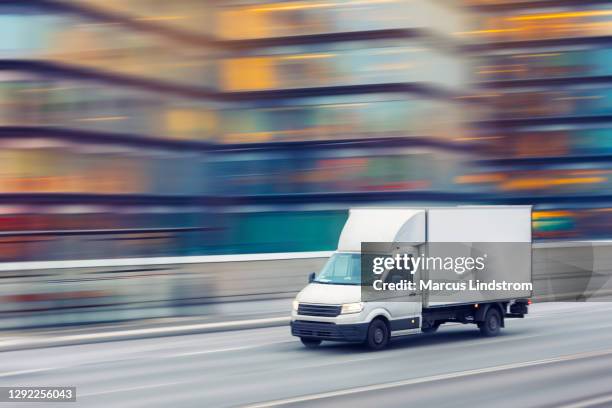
<point x="379" y="335"/>
<point x="493" y="322"/>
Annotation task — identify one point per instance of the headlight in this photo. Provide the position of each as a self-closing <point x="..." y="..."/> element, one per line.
<point x="295" y="305"/>
<point x="351" y="308"/>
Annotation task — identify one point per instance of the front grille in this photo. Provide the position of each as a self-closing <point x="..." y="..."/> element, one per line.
<point x="318" y="310"/>
<point x="320" y="330"/>
<point x="329" y="331"/>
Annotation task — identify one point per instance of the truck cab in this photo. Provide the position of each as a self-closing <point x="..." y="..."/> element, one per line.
<point x="331" y="308"/>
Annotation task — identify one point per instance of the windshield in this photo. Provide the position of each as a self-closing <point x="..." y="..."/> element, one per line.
<point x="341" y="269"/>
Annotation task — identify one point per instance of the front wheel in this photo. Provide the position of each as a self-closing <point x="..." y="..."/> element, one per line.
<point x="378" y="335"/>
<point x="310" y="343"/>
<point x="491" y="325"/>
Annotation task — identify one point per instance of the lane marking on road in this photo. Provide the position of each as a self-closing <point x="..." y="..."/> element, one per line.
<point x="440" y="377"/>
<point x="128" y="389"/>
<point x="23" y="372"/>
<point x="591" y="402"/>
<point x="237" y="348"/>
<point x="145" y="357"/>
<point x="564" y="312"/>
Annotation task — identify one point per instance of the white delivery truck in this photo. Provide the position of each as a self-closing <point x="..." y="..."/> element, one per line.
<point x="332" y="306"/>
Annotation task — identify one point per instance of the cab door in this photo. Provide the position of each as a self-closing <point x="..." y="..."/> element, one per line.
<point x="405" y="306"/>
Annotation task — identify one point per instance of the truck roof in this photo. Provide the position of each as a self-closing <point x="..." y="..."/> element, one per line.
<point x="436" y="224"/>
<point x="382" y="225"/>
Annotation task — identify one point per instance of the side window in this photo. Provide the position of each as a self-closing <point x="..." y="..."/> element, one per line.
<point x="398" y="275"/>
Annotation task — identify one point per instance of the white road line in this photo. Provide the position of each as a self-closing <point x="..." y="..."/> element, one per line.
<point x="591" y="402"/>
<point x="154" y="330"/>
<point x="30" y="371"/>
<point x="195" y="353"/>
<point x="147" y="357"/>
<point x="135" y="388"/>
<point x="440" y="377"/>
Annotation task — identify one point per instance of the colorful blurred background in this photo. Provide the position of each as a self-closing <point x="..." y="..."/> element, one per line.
<point x="140" y="128"/>
<point x="171" y="172"/>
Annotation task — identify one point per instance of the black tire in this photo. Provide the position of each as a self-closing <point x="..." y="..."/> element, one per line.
<point x="310" y="343"/>
<point x="378" y="335"/>
<point x="431" y="329"/>
<point x="491" y="325"/>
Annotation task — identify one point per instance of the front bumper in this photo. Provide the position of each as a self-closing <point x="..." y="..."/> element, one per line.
<point x="330" y="331"/>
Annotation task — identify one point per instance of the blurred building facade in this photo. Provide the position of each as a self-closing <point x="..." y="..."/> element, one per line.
<point x="147" y="127"/>
<point x="545" y="68"/>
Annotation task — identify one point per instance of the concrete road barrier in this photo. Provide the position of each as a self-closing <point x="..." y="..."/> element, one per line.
<point x="79" y="292"/>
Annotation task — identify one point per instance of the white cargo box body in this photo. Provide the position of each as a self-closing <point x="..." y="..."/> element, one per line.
<point x="503" y="233"/>
<point x="507" y="229"/>
<point x="479" y="224"/>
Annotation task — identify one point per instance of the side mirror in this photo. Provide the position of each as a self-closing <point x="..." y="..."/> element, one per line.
<point x="311" y="277"/>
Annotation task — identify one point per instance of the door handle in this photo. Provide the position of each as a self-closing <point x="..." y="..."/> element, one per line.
<point x="412" y="294"/>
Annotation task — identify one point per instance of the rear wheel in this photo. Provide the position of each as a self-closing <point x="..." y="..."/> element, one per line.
<point x="378" y="335"/>
<point x="309" y="342"/>
<point x="492" y="323"/>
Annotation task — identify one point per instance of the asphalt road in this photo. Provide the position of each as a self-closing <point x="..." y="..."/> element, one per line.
<point x="561" y="355"/>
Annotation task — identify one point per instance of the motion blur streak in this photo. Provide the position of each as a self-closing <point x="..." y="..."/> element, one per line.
<point x="147" y="128"/>
<point x="140" y="129"/>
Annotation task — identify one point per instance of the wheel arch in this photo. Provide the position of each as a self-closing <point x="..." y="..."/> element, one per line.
<point x="379" y="313"/>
